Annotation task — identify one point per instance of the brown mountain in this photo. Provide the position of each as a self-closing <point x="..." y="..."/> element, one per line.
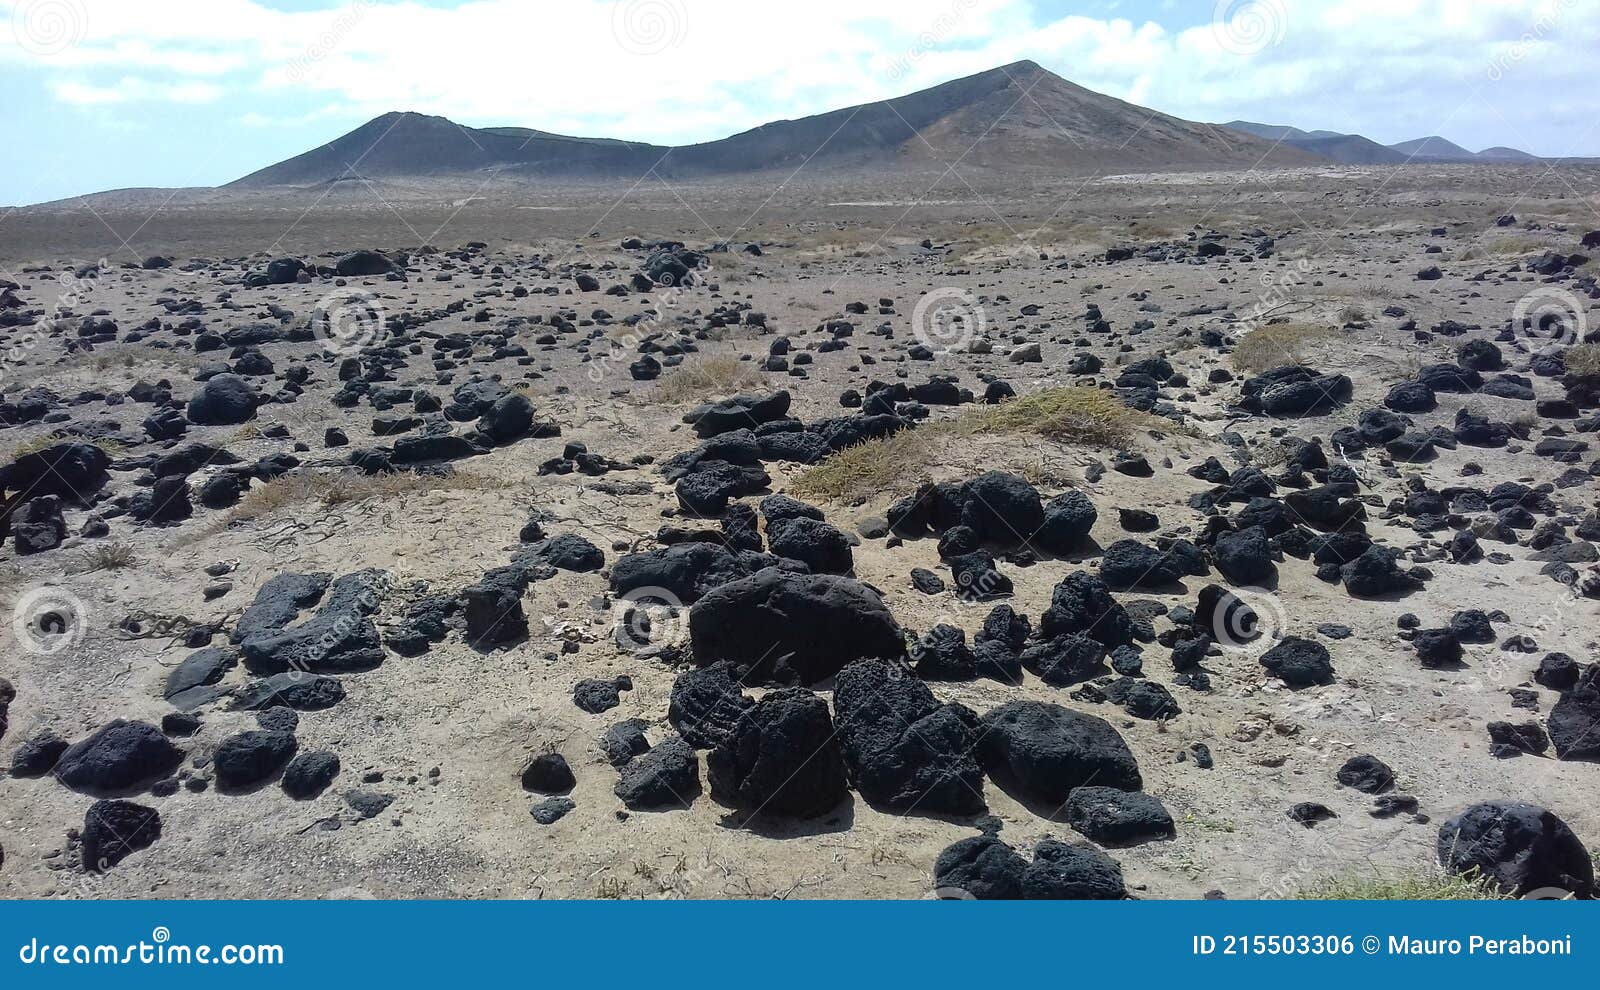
<point x="1018" y="116"/>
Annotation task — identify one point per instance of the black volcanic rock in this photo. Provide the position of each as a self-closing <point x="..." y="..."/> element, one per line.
<point x="1048" y="750"/>
<point x="792" y="627"/>
<point x="118" y="756"/>
<point x="1520" y="847"/>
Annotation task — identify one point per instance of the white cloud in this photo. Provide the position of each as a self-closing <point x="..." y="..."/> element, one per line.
<point x="685" y="70"/>
<point x="133" y="89"/>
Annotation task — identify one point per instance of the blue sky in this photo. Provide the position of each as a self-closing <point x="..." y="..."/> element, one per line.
<point x="104" y="94"/>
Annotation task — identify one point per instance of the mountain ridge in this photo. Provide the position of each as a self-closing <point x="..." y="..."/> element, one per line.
<point x="1016" y="116"/>
<point x="1356" y="149"/>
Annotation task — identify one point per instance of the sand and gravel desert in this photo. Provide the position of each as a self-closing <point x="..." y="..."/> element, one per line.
<point x="1199" y="516"/>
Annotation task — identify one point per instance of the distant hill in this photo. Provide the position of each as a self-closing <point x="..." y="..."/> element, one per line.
<point x="1353" y="149"/>
<point x="1500" y="154"/>
<point x="1279" y="132"/>
<point x="1018" y="116"/>
<point x="1434" y="147"/>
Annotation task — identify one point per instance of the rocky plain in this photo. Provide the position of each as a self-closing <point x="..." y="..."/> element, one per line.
<point x="1165" y="535"/>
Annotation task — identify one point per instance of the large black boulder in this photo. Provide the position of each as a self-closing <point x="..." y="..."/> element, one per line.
<point x="1082" y="603"/>
<point x="1574" y="721"/>
<point x="249" y="758"/>
<point x="666" y="776"/>
<point x="902" y="749"/>
<point x="1111" y="816"/>
<point x="782" y="757"/>
<point x="1129" y="564"/>
<point x="119" y="755"/>
<point x="1068" y="518"/>
<point x="493" y="607"/>
<point x="742" y="412"/>
<point x="982" y="868"/>
<point x="1244" y="557"/>
<point x="292" y="688"/>
<point x="681" y="573"/>
<point x="38" y="526"/>
<point x="791" y="627"/>
<point x="820" y="546"/>
<point x="1522" y="848"/>
<point x="1224" y="617"/>
<point x="112" y="830"/>
<point x="1064" y="660"/>
<point x="707" y="705"/>
<point x="1366" y="773"/>
<point x="1294" y="390"/>
<point x="1003" y="509"/>
<point x="706" y="491"/>
<point x="1071" y="872"/>
<point x="1048" y="750"/>
<point x="223" y="400"/>
<point x="1377" y="572"/>
<point x="309" y="774"/>
<point x="74" y="472"/>
<point x="340" y="638"/>
<point x="1299" y="662"/>
<point x="37" y="755"/>
<point x="363" y="263"/>
<point x="942" y="654"/>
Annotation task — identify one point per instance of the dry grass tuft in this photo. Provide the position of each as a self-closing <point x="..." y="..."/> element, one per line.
<point x="704" y="378"/>
<point x="1276" y="344"/>
<point x="127" y="356"/>
<point x="1583" y="360"/>
<point x="109" y="557"/>
<point x="336" y="489"/>
<point x="895" y="464"/>
<point x="1429" y="886"/>
<point x="44" y="440"/>
<point x="898" y="464"/>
